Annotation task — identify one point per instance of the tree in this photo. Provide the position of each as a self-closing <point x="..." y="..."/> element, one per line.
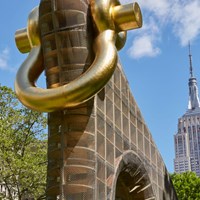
<point x="23" y="149"/>
<point x="187" y="185"/>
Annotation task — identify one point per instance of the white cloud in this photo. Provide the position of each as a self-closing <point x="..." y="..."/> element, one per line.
<point x="150" y="26"/>
<point x="143" y="46"/>
<point x="4" y="60"/>
<point x="158" y="7"/>
<point x="145" y="42"/>
<point x="146" y="39"/>
<point x="4" y="56"/>
<point x="183" y="16"/>
<point x="186" y="20"/>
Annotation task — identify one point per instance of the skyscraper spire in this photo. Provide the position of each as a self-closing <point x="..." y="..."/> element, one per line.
<point x="187" y="137"/>
<point x="190" y="59"/>
<point x="193" y="88"/>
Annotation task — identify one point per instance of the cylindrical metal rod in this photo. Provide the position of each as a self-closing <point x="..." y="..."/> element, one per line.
<point x="22" y="41"/>
<point x="29" y="37"/>
<point x="127" y="16"/>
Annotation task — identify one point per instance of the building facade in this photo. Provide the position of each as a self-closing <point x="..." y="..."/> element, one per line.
<point x="187" y="138"/>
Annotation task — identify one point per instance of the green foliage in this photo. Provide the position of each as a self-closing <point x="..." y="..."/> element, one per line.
<point x="23" y="148"/>
<point x="187" y="185"/>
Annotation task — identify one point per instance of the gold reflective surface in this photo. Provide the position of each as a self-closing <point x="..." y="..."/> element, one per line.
<point x="111" y="20"/>
<point x="73" y="93"/>
<point x="27" y="38"/>
<point x="33" y="28"/>
<point x="22" y="40"/>
<point x="127" y="16"/>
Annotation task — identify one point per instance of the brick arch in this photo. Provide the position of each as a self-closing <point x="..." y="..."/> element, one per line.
<point x="131" y="180"/>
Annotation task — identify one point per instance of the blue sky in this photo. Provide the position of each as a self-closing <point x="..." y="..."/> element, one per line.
<point x="155" y="60"/>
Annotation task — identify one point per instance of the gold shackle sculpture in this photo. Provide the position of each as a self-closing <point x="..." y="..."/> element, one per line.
<point x="111" y="20"/>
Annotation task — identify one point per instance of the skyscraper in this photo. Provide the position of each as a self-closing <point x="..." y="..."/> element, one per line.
<point x="187" y="138"/>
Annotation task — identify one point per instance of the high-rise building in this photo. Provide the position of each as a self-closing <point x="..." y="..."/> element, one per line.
<point x="187" y="138"/>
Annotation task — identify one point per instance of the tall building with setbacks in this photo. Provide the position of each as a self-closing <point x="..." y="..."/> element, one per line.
<point x="187" y="138"/>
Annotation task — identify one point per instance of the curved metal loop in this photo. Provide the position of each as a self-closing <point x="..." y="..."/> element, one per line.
<point x="109" y="14"/>
<point x="74" y="93"/>
<point x="111" y="33"/>
<point x="101" y="13"/>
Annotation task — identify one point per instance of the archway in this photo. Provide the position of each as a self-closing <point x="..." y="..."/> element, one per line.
<point x="132" y="181"/>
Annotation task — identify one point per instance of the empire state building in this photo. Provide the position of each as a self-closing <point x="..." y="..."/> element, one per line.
<point x="187" y="138"/>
